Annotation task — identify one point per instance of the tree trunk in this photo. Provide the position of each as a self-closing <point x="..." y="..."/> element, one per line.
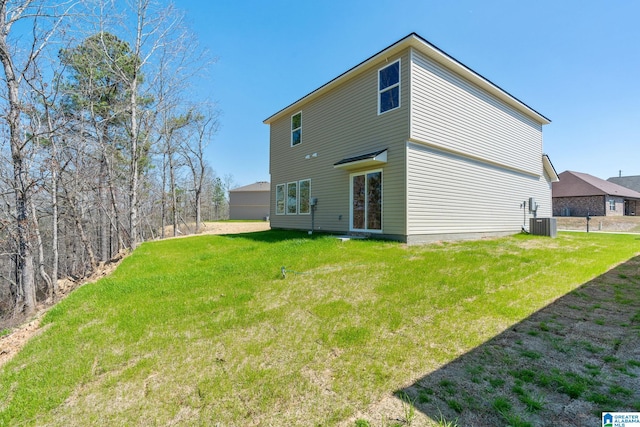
<point x="43" y="274"/>
<point x="25" y="296"/>
<point x="174" y="198"/>
<point x="76" y="211"/>
<point x="163" y="207"/>
<point x="104" y="226"/>
<point x="114" y="208"/>
<point x="198" y="210"/>
<point x="133" y="177"/>
<point x="54" y="227"/>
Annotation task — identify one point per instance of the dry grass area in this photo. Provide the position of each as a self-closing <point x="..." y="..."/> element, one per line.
<point x="627" y="224"/>
<point x="220" y="227"/>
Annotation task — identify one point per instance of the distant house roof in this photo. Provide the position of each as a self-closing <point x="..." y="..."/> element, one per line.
<point x="632" y="182"/>
<point x="258" y="186"/>
<point x="415" y="41"/>
<point x="574" y="184"/>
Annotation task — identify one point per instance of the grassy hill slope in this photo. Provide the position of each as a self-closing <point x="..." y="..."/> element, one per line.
<point x="207" y="330"/>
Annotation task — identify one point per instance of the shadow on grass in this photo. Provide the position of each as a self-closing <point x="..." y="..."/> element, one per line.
<point x="562" y="366"/>
<point x="275" y="236"/>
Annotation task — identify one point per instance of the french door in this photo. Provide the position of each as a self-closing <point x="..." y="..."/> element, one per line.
<point x="366" y="201"/>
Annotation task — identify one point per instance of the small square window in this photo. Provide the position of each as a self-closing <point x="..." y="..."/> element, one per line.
<point x="390" y="75"/>
<point x="389" y="99"/>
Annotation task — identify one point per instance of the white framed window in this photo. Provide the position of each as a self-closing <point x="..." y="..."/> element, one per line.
<point x="280" y="204"/>
<point x="389" y="87"/>
<point x="292" y="198"/>
<point x="366" y="201"/>
<point x="304" y="196"/>
<point x="612" y="204"/>
<point x="296" y="129"/>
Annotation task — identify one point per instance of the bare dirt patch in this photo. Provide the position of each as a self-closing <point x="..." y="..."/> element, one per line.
<point x="220" y="228"/>
<point x="23" y="328"/>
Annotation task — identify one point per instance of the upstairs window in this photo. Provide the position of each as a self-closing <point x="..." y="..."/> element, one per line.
<point x="389" y="87"/>
<point x="296" y="129"/>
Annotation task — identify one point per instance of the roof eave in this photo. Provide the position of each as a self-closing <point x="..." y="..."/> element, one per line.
<point x="548" y="167"/>
<point x="415" y="41"/>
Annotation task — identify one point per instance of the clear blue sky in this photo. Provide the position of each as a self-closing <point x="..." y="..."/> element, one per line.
<point x="576" y="62"/>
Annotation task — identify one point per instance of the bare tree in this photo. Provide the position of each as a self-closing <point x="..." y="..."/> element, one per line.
<point x="45" y="19"/>
<point x="193" y="151"/>
<point x="76" y="183"/>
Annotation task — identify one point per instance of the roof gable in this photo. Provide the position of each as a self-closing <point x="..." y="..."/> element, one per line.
<point x="258" y="186"/>
<point x="415" y="41"/>
<point x="574" y="184"/>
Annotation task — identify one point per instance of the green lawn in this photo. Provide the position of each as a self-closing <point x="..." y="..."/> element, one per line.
<point x="206" y="330"/>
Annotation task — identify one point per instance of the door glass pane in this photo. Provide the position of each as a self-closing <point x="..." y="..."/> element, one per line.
<point x="374" y="201"/>
<point x="358" y="202"/>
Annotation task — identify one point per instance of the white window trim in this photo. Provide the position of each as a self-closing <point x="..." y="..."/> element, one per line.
<point x="299" y="197"/>
<point x="390" y="87"/>
<point x="293" y="130"/>
<point x="284" y="192"/>
<point x="366" y="230"/>
<point x="287" y="196"/>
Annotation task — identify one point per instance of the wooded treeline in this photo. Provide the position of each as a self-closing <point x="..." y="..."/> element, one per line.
<point x="102" y="146"/>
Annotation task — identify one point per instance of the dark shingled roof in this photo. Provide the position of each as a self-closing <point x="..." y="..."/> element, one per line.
<point x="359" y="158"/>
<point x="574" y="184"/>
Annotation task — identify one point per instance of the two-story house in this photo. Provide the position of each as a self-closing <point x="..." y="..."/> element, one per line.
<point x="409" y="145"/>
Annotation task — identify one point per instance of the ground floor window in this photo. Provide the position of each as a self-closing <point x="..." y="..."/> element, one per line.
<point x="366" y="201"/>
<point x="280" y="199"/>
<point x="293" y="198"/>
<point x="304" y="203"/>
<point x="612" y="204"/>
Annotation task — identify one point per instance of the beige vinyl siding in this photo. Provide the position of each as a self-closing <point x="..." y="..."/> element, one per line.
<point x="451" y="194"/>
<point x="340" y="124"/>
<point x="451" y="113"/>
<point x="248" y="204"/>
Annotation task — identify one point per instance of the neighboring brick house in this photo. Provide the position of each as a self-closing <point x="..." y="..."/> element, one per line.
<point x="250" y="201"/>
<point x="581" y="194"/>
